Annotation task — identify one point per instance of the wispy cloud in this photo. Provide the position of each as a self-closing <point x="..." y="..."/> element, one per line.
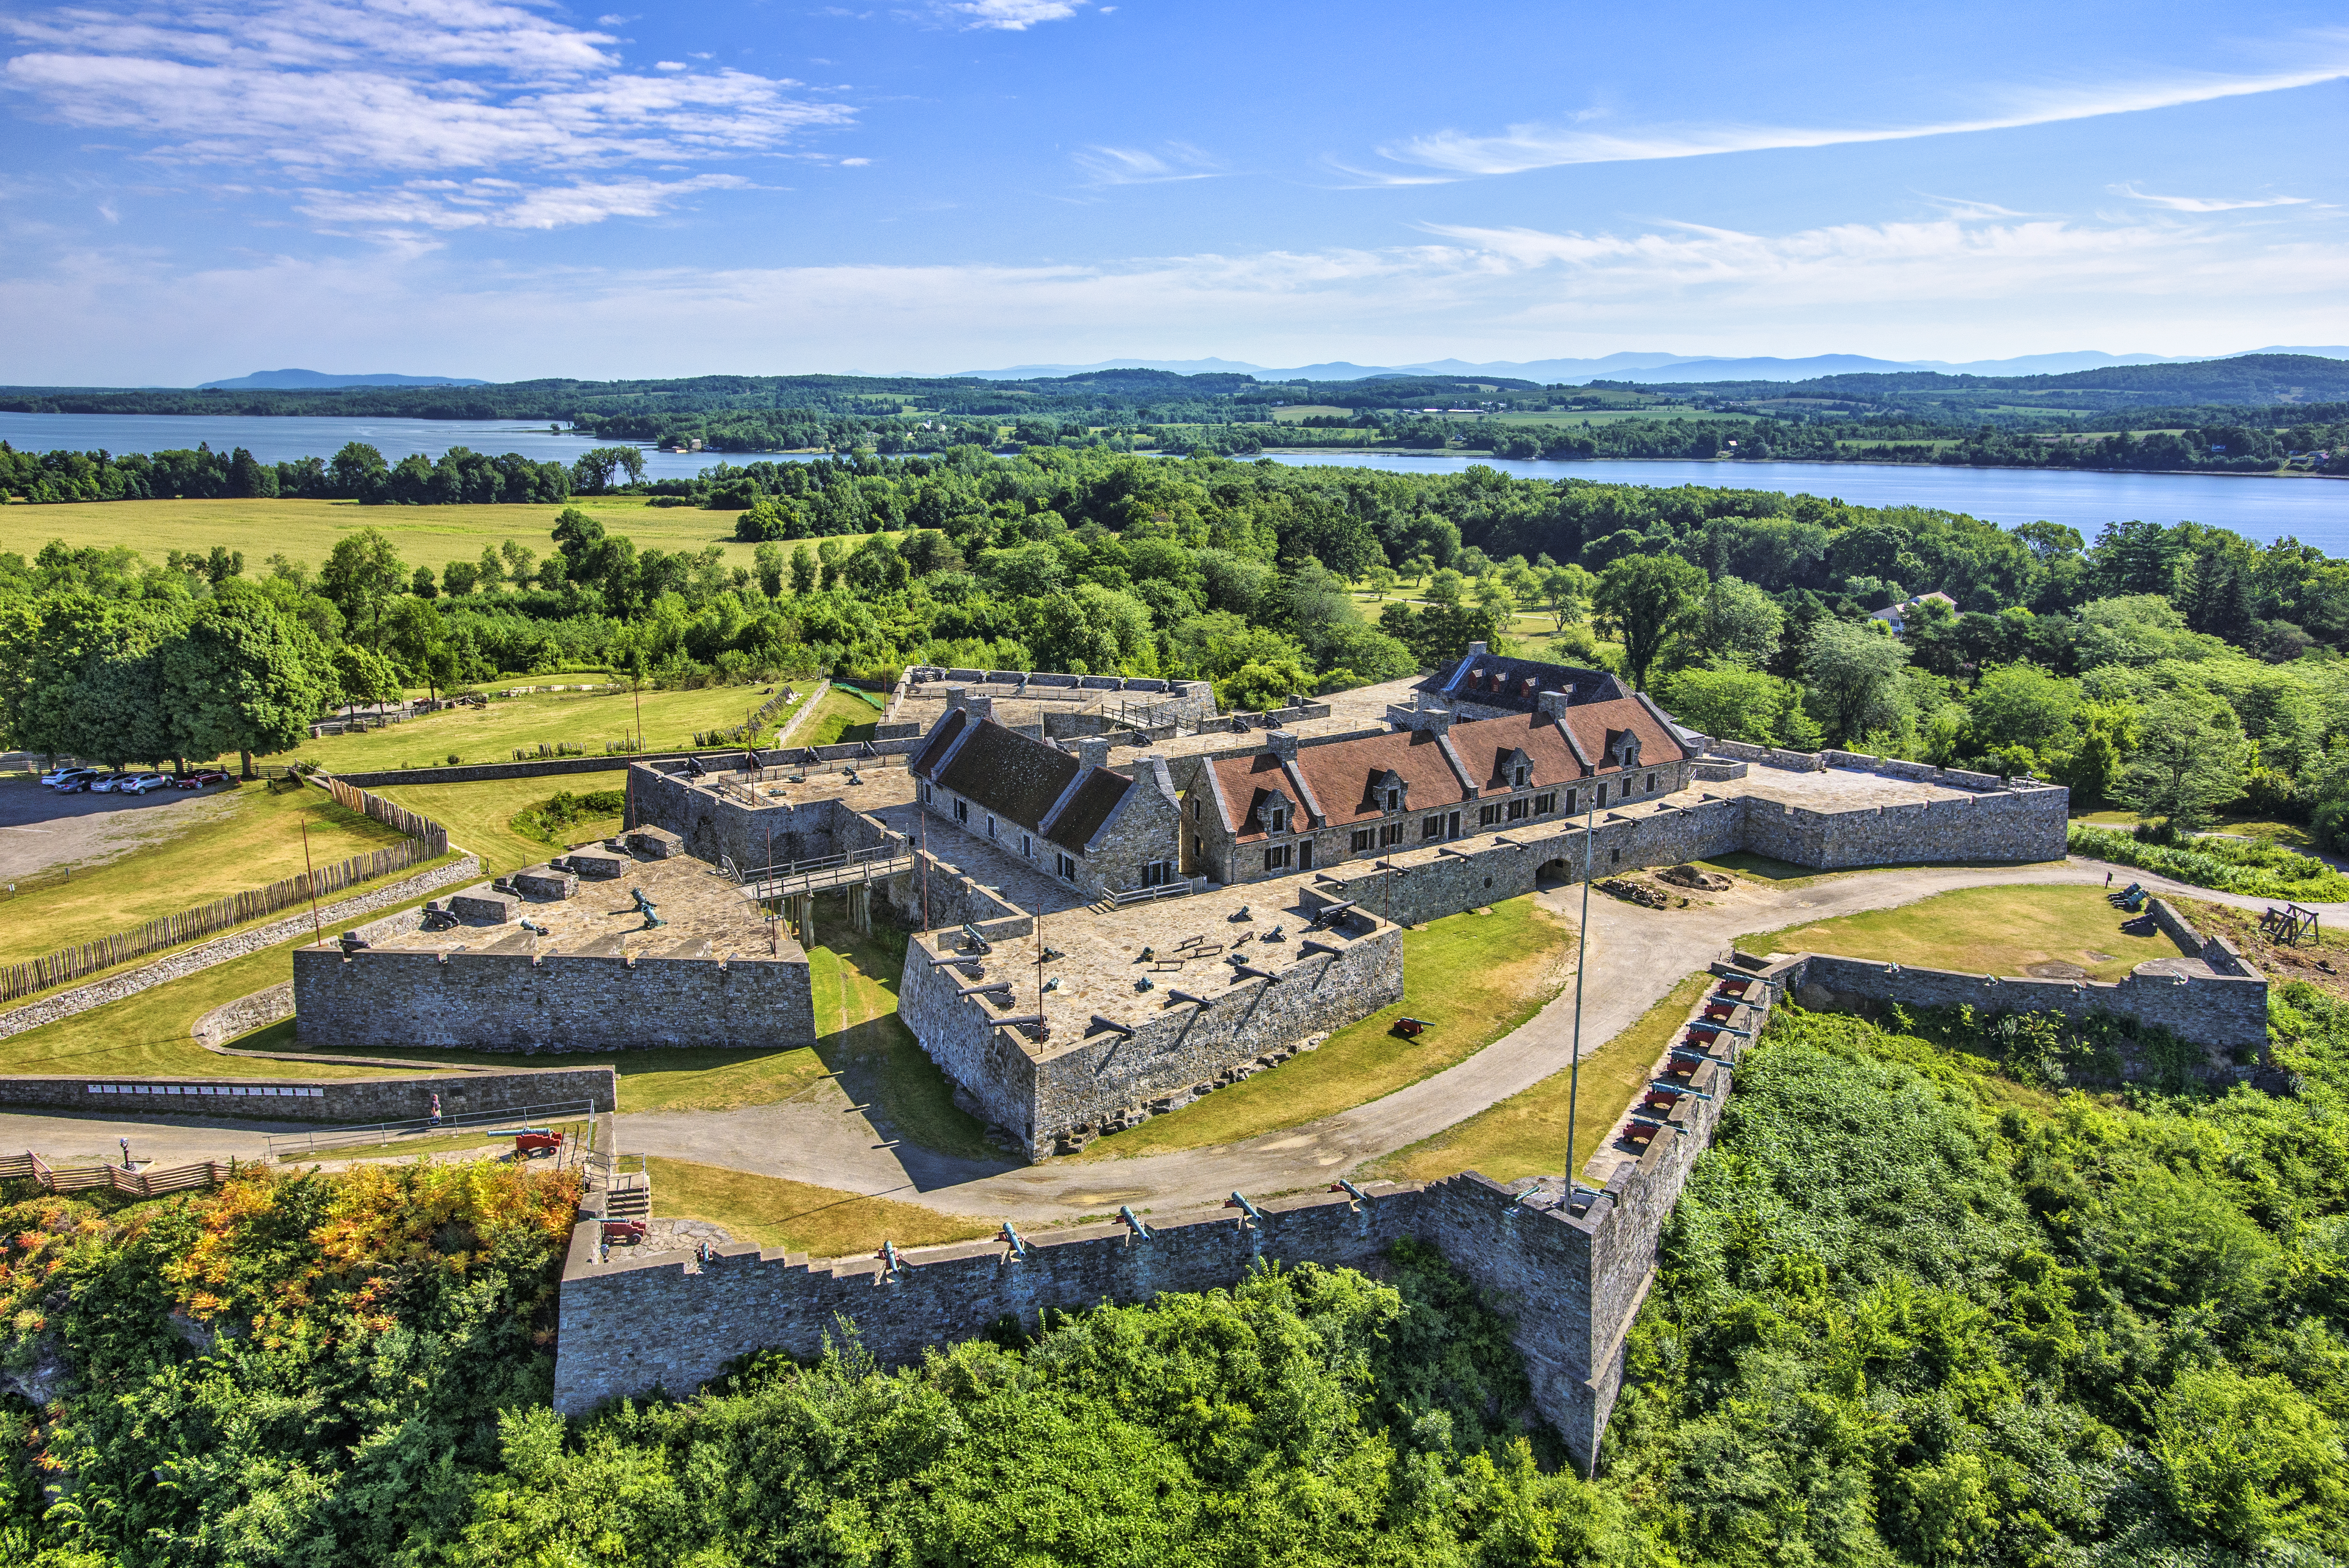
<point x="324" y="90"/>
<point x="445" y="205"/>
<point x="1461" y="155"/>
<point x="1138" y="166"/>
<point x="1013" y="15"/>
<point x="2206" y="203"/>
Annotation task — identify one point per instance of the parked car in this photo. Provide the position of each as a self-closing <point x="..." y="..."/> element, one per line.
<point x="141" y="785"/>
<point x="53" y="775"/>
<point x="108" y="783"/>
<point x="73" y="781"/>
<point x="202" y="780"/>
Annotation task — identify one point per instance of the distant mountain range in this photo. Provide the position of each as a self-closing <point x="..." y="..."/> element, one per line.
<point x="1671" y="368"/>
<point x="287" y="380"/>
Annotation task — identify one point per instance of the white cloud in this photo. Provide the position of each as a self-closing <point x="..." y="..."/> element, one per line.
<point x="327" y="89"/>
<point x="444" y="205"/>
<point x="2206" y="203"/>
<point x="668" y="64"/>
<point x="1013" y="15"/>
<point x="1461" y="155"/>
<point x="1137" y="166"/>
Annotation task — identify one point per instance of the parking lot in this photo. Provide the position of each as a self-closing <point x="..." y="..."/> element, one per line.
<point x="40" y="829"/>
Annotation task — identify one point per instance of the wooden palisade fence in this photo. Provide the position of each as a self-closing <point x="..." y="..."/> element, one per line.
<point x="428" y="840"/>
<point x="137" y="1184"/>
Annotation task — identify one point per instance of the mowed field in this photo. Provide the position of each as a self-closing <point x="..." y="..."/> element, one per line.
<point x="1986" y="931"/>
<point x="307" y="530"/>
<point x="669" y="720"/>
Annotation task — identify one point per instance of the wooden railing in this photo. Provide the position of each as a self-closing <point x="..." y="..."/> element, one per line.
<point x="137" y="1184"/>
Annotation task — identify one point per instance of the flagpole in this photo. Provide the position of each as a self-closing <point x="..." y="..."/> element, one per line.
<point x="1581" y="951"/>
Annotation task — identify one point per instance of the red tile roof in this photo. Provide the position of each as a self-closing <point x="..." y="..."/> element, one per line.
<point x="1342" y="774"/>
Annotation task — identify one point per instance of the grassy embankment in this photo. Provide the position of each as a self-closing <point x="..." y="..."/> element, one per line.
<point x="1525" y="1135"/>
<point x="1449" y="980"/>
<point x="843" y="715"/>
<point x="479" y="816"/>
<point x="180" y="851"/>
<point x="817" y="1220"/>
<point x="668" y="720"/>
<point x="1983" y="930"/>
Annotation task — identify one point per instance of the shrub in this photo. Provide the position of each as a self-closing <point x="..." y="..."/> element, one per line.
<point x="2254" y="870"/>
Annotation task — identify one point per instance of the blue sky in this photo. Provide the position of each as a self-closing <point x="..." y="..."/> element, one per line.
<point x="503" y="189"/>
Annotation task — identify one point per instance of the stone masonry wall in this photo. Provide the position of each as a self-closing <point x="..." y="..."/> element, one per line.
<point x="630" y="1328"/>
<point x="561" y="1002"/>
<point x="2220" y="1013"/>
<point x="314" y="1099"/>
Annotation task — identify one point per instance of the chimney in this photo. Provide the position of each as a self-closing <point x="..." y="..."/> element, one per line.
<point x="980" y="706"/>
<point x="957" y="696"/>
<point x="1093" y="750"/>
<point x="1478" y="651"/>
<point x="1552" y="705"/>
<point x="1281" y="743"/>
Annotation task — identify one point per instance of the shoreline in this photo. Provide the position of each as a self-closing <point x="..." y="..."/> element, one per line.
<point x="1823" y="463"/>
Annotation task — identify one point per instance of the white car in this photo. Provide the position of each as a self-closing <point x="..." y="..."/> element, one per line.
<point x="141" y="784"/>
<point x="51" y="779"/>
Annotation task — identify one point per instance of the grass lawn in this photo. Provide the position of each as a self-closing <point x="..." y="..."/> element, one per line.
<point x="670" y="719"/>
<point x="1448" y="979"/>
<point x="2290" y="835"/>
<point x="1985" y="930"/>
<point x="817" y="1220"/>
<point x="246" y="839"/>
<point x="478" y="816"/>
<point x="1525" y="1135"/>
<point x="307" y="530"/>
<point x="843" y="715"/>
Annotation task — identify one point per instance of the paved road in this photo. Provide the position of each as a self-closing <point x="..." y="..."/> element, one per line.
<point x="822" y="1138"/>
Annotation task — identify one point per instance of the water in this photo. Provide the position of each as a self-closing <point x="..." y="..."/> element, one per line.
<point x="282" y="440"/>
<point x="2315" y="511"/>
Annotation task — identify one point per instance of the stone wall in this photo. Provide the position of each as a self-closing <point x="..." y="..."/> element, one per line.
<point x="630" y="1328"/>
<point x="382" y="995"/>
<point x="2220" y="1013"/>
<point x="1056" y="1098"/>
<point x="314" y="1099"/>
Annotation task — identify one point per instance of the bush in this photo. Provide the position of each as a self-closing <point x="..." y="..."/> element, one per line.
<point x="2254" y="870"/>
<point x="545" y="822"/>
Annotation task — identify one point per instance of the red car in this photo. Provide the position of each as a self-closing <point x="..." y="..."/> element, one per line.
<point x="199" y="780"/>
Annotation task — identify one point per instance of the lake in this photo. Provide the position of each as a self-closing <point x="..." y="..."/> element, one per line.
<point x="2314" y="510"/>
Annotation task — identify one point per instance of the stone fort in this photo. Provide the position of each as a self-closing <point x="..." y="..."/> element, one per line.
<point x="1119" y="901"/>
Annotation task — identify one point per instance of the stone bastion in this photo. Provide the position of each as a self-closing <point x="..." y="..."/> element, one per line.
<point x="564" y="957"/>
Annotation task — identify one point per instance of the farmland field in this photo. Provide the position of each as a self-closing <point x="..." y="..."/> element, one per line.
<point x="307" y="530"/>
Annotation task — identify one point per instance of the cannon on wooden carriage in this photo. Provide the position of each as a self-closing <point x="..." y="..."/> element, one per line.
<point x="537" y="1143"/>
<point x="1409" y="1029"/>
<point x="629" y="1231"/>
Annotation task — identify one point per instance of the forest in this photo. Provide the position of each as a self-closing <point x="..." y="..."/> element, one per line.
<point x="2180" y="668"/>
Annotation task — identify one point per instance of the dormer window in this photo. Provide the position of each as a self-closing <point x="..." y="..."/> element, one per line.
<point x="1394" y="800"/>
<point x="1520" y="777"/>
<point x="1280" y="818"/>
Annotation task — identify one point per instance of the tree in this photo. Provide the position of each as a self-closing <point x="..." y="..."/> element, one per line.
<point x="1728" y="703"/>
<point x="1565" y="591"/>
<point x="357" y="469"/>
<point x="591" y="473"/>
<point x="2022" y="704"/>
<point x="422" y="585"/>
<point x="1853" y="670"/>
<point x="770" y="569"/>
<point x="460" y="577"/>
<point x="489" y="572"/>
<point x="364" y="677"/>
<point x="2191" y="758"/>
<point x="804" y="571"/>
<point x="245" y="677"/>
<point x="1644" y="596"/>
<point x="520" y="560"/>
<point x="1737" y="623"/>
<point x="413" y="636"/>
<point x="362" y="575"/>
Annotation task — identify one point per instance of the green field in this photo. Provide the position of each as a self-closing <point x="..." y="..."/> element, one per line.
<point x="1984" y="930"/>
<point x="307" y="530"/>
<point x="1525" y="1135"/>
<point x="843" y="715"/>
<point x="1450" y="979"/>
<point x="478" y="815"/>
<point x="245" y="839"/>
<point x="667" y="719"/>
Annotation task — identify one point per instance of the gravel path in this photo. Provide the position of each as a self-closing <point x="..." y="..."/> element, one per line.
<point x="40" y="829"/>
